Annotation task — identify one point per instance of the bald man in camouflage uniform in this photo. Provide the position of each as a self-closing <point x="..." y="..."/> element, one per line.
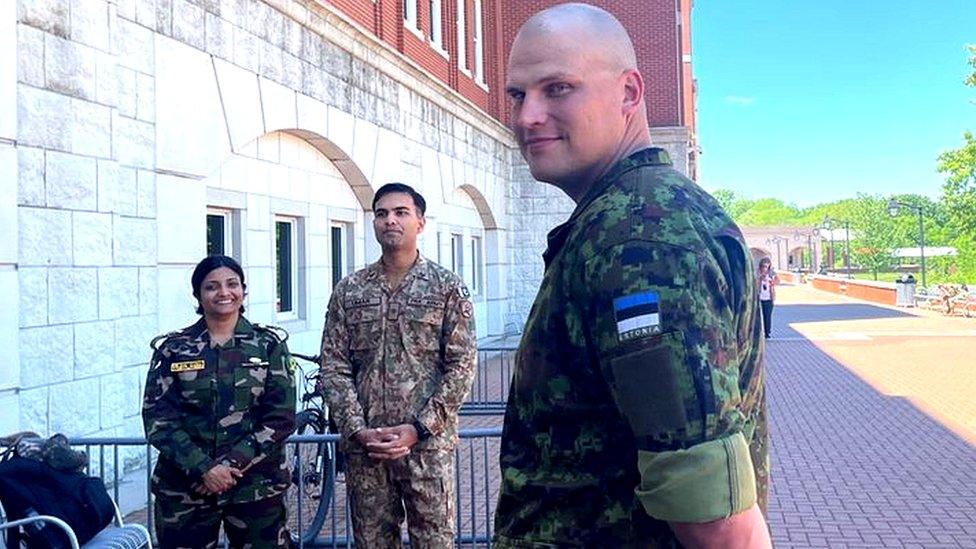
<point x="232" y="405"/>
<point x="636" y="413"/>
<point x="398" y="359"/>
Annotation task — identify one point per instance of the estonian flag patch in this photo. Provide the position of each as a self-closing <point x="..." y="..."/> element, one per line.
<point x="637" y="315"/>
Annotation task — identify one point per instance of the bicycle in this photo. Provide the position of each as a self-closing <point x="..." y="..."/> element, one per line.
<point x="313" y="465"/>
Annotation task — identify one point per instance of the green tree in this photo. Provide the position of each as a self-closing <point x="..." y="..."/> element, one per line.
<point x="874" y="237"/>
<point x="959" y="190"/>
<point x="766" y="212"/>
<point x="725" y="198"/>
<point x="959" y="194"/>
<point x="733" y="203"/>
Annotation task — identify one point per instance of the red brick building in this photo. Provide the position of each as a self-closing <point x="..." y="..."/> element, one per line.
<point x="464" y="43"/>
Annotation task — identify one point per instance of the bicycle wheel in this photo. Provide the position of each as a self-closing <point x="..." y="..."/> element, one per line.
<point x="312" y="480"/>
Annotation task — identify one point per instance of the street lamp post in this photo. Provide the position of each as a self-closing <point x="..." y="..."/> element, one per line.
<point x="798" y="236"/>
<point x="828" y="224"/>
<point x="825" y="225"/>
<point x="894" y="208"/>
<point x="776" y="239"/>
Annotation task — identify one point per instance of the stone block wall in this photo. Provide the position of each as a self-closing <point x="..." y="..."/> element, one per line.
<point x="114" y="114"/>
<point x="86" y="228"/>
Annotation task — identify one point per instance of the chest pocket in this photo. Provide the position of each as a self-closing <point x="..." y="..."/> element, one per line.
<point x="249" y="379"/>
<point x="424" y="317"/>
<point x="194" y="383"/>
<point x="363" y="322"/>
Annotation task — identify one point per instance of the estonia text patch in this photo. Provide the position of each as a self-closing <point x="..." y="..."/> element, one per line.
<point x="637" y="314"/>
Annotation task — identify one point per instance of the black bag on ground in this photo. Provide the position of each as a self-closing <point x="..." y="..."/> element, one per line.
<point x="29" y="487"/>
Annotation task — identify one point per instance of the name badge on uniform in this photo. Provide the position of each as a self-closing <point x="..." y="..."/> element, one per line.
<point x="637" y="315"/>
<point x="187" y="366"/>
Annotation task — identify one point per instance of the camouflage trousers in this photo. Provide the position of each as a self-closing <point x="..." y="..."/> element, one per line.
<point x="193" y="523"/>
<point x="418" y="487"/>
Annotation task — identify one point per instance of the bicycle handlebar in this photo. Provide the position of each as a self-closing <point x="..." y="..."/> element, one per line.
<point x="314" y="359"/>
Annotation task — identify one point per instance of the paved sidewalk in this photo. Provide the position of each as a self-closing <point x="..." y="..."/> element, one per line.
<point x="873" y="419"/>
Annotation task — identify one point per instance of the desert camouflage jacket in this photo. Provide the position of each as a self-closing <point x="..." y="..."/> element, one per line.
<point x="392" y="357"/>
<point x="637" y="397"/>
<point x="232" y="404"/>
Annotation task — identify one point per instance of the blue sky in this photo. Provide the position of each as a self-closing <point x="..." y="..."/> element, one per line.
<point x="811" y="101"/>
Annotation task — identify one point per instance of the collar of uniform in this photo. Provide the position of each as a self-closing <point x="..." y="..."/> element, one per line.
<point x="652" y="156"/>
<point x="243" y="328"/>
<point x="198" y="330"/>
<point x="418" y="269"/>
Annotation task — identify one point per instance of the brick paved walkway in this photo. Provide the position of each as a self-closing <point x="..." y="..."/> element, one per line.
<point x="856" y="462"/>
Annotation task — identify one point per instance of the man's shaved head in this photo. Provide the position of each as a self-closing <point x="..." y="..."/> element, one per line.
<point x="577" y="97"/>
<point x="598" y="29"/>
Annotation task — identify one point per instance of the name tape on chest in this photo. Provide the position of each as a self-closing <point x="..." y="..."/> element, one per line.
<point x="431" y="302"/>
<point x="187" y="366"/>
<point x="358" y="302"/>
<point x="637" y="315"/>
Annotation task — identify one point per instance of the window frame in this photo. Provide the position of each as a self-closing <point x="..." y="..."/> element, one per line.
<point x="477" y="264"/>
<point x="228" y="229"/>
<point x="293" y="312"/>
<point x="411" y="17"/>
<point x="457" y="254"/>
<point x="477" y="39"/>
<point x="344" y="263"/>
<point x="462" y="37"/>
<point x="436" y="23"/>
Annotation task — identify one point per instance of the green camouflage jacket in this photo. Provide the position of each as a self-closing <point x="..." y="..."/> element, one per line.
<point x="637" y="397"/>
<point x="392" y="358"/>
<point x="232" y="404"/>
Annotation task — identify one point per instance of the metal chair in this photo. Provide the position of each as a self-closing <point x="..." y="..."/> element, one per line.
<point x="117" y="536"/>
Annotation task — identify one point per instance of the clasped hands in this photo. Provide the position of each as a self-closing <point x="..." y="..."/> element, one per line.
<point x="218" y="480"/>
<point x="388" y="443"/>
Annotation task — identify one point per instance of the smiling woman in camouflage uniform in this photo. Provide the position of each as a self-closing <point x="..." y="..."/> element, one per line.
<point x="219" y="403"/>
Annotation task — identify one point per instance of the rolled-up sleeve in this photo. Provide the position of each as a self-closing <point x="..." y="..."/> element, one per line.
<point x="659" y="319"/>
<point x="708" y="481"/>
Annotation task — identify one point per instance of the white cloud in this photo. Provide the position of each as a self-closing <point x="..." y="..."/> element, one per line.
<point x="741" y="101"/>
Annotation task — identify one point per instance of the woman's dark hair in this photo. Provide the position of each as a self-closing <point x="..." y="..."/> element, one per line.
<point x="418" y="199"/>
<point x="212" y="263"/>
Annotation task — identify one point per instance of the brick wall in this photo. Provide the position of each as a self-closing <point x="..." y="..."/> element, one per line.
<point x="362" y="12"/>
<point x="660" y="30"/>
<point x="869" y="291"/>
<point x="385" y="19"/>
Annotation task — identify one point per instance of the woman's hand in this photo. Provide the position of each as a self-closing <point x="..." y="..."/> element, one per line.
<point x="219" y="479"/>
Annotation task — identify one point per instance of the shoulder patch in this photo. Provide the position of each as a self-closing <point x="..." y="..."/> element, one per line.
<point x="158" y="340"/>
<point x="637" y="315"/>
<point x="277" y="332"/>
<point x="462" y="291"/>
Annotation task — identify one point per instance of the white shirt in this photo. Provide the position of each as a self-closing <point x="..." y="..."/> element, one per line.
<point x="765" y="288"/>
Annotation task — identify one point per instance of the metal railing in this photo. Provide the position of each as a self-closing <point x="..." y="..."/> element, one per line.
<point x="489" y="390"/>
<point x="476" y="483"/>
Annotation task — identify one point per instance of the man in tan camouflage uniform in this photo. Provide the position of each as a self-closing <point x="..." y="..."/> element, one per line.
<point x="636" y="414"/>
<point x="398" y="359"/>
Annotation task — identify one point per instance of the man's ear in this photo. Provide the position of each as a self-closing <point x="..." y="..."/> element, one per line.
<point x="422" y="222"/>
<point x="633" y="91"/>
